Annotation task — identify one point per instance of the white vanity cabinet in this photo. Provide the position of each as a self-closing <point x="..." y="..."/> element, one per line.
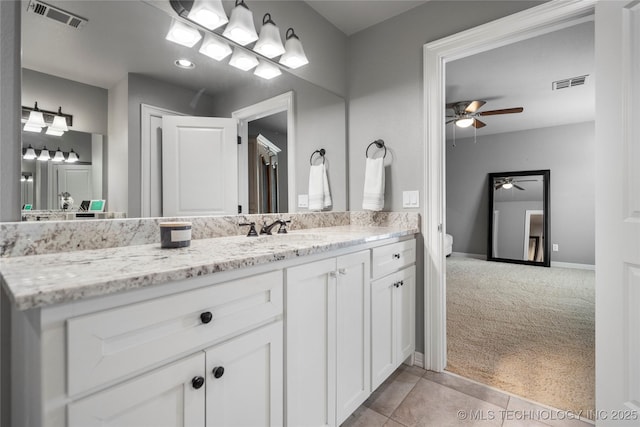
<point x="328" y="339"/>
<point x="392" y="308"/>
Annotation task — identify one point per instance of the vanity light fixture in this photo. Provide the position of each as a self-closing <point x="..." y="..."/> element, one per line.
<point x="208" y="13"/>
<point x="184" y="63"/>
<point x="59" y="156"/>
<point x="36" y="119"/>
<point x="72" y="157"/>
<point x="215" y="48"/>
<point x="267" y="70"/>
<point x="294" y="56"/>
<point x="507" y="185"/>
<point x="44" y="155"/>
<point x="269" y="43"/>
<point x="240" y="28"/>
<point x="59" y="124"/>
<point x="464" y="122"/>
<point x="243" y="60"/>
<point x="29" y="153"/>
<point x="26" y="177"/>
<point x="30" y="128"/>
<point x="183" y="34"/>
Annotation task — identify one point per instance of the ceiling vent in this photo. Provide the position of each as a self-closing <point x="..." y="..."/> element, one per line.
<point x="56" y="14"/>
<point x="570" y="82"/>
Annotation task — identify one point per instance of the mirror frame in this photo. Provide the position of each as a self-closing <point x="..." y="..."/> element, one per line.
<point x="546" y="174"/>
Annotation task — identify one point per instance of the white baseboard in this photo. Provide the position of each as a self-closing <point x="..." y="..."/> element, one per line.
<point x="467" y="255"/>
<point x="573" y="265"/>
<point x="418" y="359"/>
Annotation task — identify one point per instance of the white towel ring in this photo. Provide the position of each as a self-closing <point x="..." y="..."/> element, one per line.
<point x="380" y="144"/>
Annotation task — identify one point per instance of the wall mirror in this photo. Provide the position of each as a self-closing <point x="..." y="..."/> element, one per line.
<point x="519" y="217"/>
<point x="122" y="50"/>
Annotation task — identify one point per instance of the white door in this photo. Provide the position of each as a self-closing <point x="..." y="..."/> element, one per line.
<point x="353" y="338"/>
<point x="311" y="344"/>
<point x="74" y="179"/>
<point x="618" y="212"/>
<point x="199" y="166"/>
<point x="165" y="397"/>
<point x="245" y="380"/>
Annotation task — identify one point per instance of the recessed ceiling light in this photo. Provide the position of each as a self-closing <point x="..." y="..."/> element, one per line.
<point x="184" y="63"/>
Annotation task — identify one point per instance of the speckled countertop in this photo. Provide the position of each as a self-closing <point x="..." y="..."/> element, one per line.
<point x="42" y="280"/>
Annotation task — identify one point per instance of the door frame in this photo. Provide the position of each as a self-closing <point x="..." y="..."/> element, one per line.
<point x="548" y="17"/>
<point x="277" y="104"/>
<point x="527" y="230"/>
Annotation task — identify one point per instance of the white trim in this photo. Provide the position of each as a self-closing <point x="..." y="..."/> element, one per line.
<point x="277" y="104"/>
<point x="527" y="231"/>
<point x="573" y="265"/>
<point x="418" y="359"/>
<point x="550" y="16"/>
<point x="146" y="112"/>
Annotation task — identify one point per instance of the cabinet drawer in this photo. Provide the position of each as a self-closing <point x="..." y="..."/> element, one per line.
<point x="105" y="346"/>
<point x="393" y="257"/>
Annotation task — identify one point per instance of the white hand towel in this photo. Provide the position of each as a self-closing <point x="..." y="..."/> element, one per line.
<point x="319" y="195"/>
<point x="373" y="198"/>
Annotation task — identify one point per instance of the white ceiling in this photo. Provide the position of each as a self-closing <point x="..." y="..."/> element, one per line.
<point x="521" y="75"/>
<point x="351" y="16"/>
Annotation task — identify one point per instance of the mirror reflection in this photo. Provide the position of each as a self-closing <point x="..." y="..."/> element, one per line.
<point x="120" y="61"/>
<point x="518" y="217"/>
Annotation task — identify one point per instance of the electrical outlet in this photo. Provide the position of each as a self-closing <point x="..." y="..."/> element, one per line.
<point x="555" y="247"/>
<point x="303" y="200"/>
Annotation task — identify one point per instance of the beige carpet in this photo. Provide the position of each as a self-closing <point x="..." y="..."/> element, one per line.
<point x="526" y="330"/>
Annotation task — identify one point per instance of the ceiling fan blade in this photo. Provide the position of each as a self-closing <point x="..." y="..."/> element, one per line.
<point x="478" y="124"/>
<point x="518" y="187"/>
<point x="503" y="111"/>
<point x="474" y="106"/>
<point x="450" y="121"/>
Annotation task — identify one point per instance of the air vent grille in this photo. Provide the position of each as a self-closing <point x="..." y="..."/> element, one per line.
<point x="56" y="14"/>
<point x="570" y="82"/>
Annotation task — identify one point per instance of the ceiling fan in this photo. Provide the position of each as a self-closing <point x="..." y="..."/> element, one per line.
<point x="509" y="182"/>
<point x="466" y="113"/>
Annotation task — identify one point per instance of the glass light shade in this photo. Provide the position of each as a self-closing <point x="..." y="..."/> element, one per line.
<point x="241" y="28"/>
<point x="72" y="157"/>
<point x="208" y="13"/>
<point x="507" y="185"/>
<point x="36" y="119"/>
<point x="465" y="122"/>
<point x="22" y="178"/>
<point x="243" y="60"/>
<point x="30" y="178"/>
<point x="53" y="132"/>
<point x="294" y="56"/>
<point x="267" y="70"/>
<point x="58" y="157"/>
<point x="269" y="43"/>
<point x="31" y="128"/>
<point x="44" y="155"/>
<point x="59" y="124"/>
<point x="215" y="48"/>
<point x="183" y="34"/>
<point x="29" y="153"/>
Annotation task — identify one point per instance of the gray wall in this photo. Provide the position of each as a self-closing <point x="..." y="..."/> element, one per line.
<point x="87" y="104"/>
<point x="568" y="151"/>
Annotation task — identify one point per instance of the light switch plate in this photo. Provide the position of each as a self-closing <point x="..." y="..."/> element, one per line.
<point x="410" y="199"/>
<point x="303" y="200"/>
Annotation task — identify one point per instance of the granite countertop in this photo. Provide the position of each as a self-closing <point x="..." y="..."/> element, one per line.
<point x="43" y="280"/>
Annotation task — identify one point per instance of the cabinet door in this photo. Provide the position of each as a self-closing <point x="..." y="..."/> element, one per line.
<point x="383" y="336"/>
<point x="405" y="307"/>
<point x="165" y="397"/>
<point x="245" y="380"/>
<point x="311" y="346"/>
<point x="353" y="349"/>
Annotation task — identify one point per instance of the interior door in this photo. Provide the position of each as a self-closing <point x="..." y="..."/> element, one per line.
<point x="74" y="179"/>
<point x="199" y="166"/>
<point x="617" y="213"/>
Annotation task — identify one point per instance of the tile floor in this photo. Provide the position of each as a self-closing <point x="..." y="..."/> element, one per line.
<point x="414" y="397"/>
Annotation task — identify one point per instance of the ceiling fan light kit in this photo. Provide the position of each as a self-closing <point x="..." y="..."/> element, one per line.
<point x="465" y="114"/>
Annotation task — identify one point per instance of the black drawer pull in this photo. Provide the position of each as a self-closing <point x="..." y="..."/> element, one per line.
<point x="206" y="317"/>
<point x="197" y="382"/>
<point x="218" y="372"/>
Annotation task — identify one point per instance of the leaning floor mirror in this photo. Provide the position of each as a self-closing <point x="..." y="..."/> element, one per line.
<point x="519" y="217"/>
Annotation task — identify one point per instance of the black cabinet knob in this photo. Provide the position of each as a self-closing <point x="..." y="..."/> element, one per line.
<point x="218" y="372"/>
<point x="197" y="382"/>
<point x="401" y="282"/>
<point x="206" y="317"/>
<point x="396" y="256"/>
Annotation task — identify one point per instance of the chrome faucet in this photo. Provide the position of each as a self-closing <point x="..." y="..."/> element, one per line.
<point x="266" y="229"/>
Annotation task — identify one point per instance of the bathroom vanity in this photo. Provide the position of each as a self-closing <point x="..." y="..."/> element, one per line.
<point x="293" y="329"/>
